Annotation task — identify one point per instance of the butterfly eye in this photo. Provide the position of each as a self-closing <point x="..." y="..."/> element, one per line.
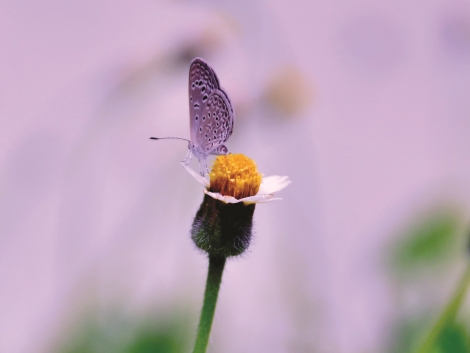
<point x="204" y="98"/>
<point x="203" y="88"/>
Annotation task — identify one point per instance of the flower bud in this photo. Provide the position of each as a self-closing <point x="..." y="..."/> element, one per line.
<point x="223" y="229"/>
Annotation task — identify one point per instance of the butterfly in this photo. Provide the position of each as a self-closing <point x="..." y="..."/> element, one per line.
<point x="211" y="115"/>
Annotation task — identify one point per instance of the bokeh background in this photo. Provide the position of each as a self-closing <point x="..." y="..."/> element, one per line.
<point x="364" y="105"/>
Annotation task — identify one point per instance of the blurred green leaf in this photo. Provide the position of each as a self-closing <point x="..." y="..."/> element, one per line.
<point x="453" y="339"/>
<point x="165" y="340"/>
<point x="104" y="333"/>
<point x="428" y="241"/>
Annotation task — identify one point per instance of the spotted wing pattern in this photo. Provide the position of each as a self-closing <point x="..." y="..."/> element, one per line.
<point x="215" y="125"/>
<point x="202" y="82"/>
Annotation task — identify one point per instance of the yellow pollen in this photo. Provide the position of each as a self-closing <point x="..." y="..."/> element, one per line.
<point x="235" y="175"/>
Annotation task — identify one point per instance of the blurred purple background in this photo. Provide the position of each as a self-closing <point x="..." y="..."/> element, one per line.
<point x="366" y="106"/>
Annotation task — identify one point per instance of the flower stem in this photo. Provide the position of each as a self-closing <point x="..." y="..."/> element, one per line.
<point x="448" y="314"/>
<point x="214" y="277"/>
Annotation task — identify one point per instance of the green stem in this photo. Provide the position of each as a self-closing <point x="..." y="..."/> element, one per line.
<point x="448" y="314"/>
<point x="214" y="277"/>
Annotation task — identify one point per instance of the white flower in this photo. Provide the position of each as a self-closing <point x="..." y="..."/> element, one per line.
<point x="269" y="185"/>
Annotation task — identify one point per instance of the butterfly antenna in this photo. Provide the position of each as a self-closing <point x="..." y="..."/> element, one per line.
<point x="166" y="138"/>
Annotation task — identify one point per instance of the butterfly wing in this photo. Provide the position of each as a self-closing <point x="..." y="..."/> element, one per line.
<point x="202" y="83"/>
<point x="216" y="124"/>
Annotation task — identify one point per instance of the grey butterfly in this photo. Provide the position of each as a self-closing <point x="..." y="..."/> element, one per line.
<point x="211" y="115"/>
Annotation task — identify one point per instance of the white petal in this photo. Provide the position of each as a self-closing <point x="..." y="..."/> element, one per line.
<point x="203" y="180"/>
<point x="272" y="184"/>
<point x="259" y="199"/>
<point x="218" y="196"/>
<point x="246" y="200"/>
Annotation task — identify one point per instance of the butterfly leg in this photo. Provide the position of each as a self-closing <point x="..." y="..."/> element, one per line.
<point x="188" y="157"/>
<point x="203" y="168"/>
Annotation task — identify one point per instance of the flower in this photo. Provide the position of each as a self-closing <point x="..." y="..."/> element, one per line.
<point x="223" y="224"/>
<point x="234" y="178"/>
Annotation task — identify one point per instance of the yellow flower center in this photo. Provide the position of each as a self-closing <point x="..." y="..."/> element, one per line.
<point x="235" y="175"/>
